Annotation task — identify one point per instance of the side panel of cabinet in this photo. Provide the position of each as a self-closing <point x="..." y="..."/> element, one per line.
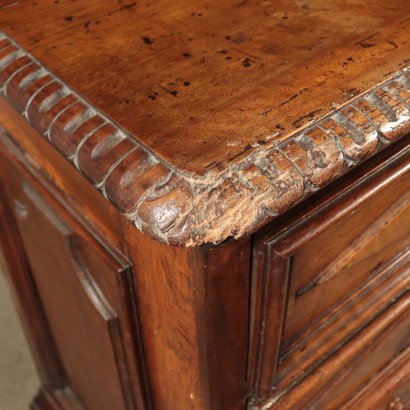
<point x="194" y="314"/>
<point x="85" y="292"/>
<point x="27" y="301"/>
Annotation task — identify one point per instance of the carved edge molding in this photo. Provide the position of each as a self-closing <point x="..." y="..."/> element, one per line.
<point x="180" y="209"/>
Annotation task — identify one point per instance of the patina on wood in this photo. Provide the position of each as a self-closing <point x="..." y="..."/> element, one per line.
<point x="201" y="121"/>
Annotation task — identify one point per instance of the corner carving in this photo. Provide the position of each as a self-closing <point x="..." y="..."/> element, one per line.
<point x="188" y="210"/>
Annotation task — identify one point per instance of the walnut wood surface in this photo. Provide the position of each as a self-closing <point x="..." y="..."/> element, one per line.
<point x="184" y="314"/>
<point x="82" y="287"/>
<point x="195" y="121"/>
<point x="196" y="332"/>
<point x="76" y="189"/>
<point x="190" y="325"/>
<point x="331" y="384"/>
<point x="202" y="120"/>
<point x="298" y="320"/>
<point x="388" y="390"/>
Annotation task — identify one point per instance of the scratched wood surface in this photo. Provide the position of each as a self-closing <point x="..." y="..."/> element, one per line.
<point x="201" y="120"/>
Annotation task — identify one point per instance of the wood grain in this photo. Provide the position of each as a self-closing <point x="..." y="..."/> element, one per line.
<point x="194" y="302"/>
<point x="193" y="122"/>
<point x="245" y="160"/>
<point x="351" y="367"/>
<point x="195" y="332"/>
<point x="37" y="331"/>
<point x="292" y="331"/>
<point x="387" y="390"/>
<point x="76" y="260"/>
<point x="342" y="260"/>
<point x="74" y="188"/>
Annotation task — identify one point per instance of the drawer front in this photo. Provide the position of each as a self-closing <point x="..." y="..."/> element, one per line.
<point x="345" y="253"/>
<point x="388" y="389"/>
<point x="85" y="290"/>
<point x="321" y="276"/>
<point x="332" y="385"/>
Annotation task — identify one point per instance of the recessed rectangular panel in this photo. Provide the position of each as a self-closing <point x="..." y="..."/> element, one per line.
<point x="345" y="254"/>
<point x="84" y="324"/>
<point x="321" y="276"/>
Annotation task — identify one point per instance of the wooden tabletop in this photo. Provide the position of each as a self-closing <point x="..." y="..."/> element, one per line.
<point x="200" y="120"/>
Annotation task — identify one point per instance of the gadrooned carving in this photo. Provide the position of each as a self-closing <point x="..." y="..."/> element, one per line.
<point x="177" y="208"/>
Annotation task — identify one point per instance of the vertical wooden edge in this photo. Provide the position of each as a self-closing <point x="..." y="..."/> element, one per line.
<point x="258" y="279"/>
<point x="194" y="306"/>
<point x="227" y="274"/>
<point x="168" y="289"/>
<point x="138" y="372"/>
<point x="270" y="279"/>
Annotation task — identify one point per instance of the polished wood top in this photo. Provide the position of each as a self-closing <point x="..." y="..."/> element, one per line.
<point x="213" y="117"/>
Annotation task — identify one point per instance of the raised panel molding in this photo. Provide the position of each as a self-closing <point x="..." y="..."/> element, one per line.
<point x="115" y="300"/>
<point x="387" y="389"/>
<point x="366" y="236"/>
<point x="103" y="298"/>
<point x="105" y="311"/>
<point x="268" y="310"/>
<point x="274" y="368"/>
<point x="18" y="272"/>
<point x="71" y="254"/>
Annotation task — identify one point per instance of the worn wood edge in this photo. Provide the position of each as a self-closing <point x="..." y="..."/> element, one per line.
<point x="178" y="208"/>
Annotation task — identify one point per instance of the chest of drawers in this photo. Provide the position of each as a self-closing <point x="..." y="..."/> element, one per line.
<point x="207" y="206"/>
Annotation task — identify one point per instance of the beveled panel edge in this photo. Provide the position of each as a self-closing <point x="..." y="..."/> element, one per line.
<point x="188" y="210"/>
